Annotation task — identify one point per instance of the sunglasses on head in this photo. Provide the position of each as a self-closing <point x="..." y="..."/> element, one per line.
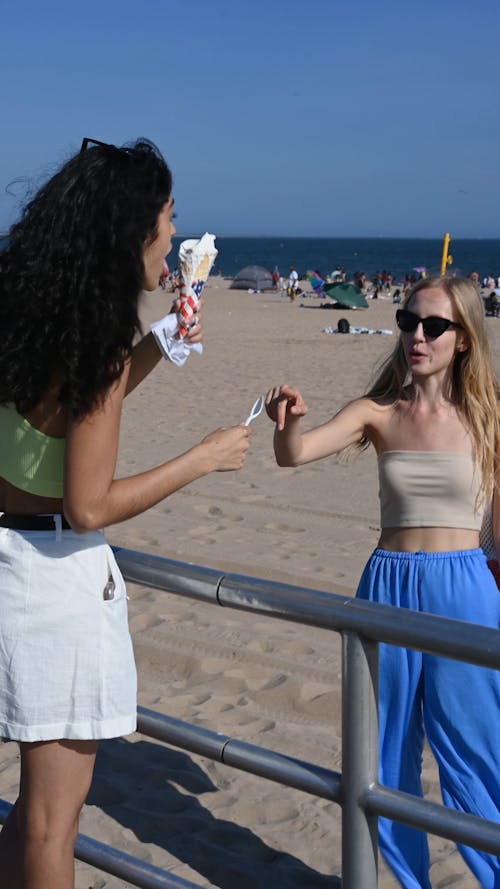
<point x="433" y="326"/>
<point x="89" y="142"/>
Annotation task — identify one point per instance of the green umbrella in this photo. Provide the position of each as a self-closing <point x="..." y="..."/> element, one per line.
<point x="347" y="296"/>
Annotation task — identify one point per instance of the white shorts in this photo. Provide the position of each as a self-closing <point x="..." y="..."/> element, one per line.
<point x="66" y="662"/>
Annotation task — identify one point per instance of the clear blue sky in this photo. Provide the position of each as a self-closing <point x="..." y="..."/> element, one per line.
<point x="321" y="117"/>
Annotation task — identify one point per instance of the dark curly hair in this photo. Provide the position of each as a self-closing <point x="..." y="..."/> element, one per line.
<point x="72" y="272"/>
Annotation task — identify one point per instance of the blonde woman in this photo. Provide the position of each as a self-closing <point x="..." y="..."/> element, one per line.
<point x="432" y="417"/>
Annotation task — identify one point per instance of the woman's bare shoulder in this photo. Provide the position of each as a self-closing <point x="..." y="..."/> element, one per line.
<point x="370" y="406"/>
<point x="375" y="415"/>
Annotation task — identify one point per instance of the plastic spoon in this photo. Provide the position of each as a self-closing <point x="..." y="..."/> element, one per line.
<point x="256" y="409"/>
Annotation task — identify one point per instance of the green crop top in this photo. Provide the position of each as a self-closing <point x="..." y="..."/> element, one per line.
<point x="29" y="459"/>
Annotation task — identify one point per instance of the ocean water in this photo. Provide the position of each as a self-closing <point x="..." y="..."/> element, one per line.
<point x="399" y="256"/>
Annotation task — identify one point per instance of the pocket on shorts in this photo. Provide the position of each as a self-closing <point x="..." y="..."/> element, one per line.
<point x="114" y="588"/>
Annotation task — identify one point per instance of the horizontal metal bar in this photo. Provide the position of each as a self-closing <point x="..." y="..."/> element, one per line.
<point x="181" y="734"/>
<point x="469" y="830"/>
<point x="119" y="864"/>
<point x="286" y="770"/>
<point x="133" y="870"/>
<point x="383" y="623"/>
<point x="182" y="578"/>
<point x="431" y="634"/>
<point x="256" y="760"/>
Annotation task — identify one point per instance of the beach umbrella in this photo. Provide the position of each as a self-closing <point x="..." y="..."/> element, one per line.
<point x="316" y="282"/>
<point x="420" y="270"/>
<point x="347" y="296"/>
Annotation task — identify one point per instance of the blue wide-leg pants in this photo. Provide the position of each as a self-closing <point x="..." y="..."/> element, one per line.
<point x="456" y="704"/>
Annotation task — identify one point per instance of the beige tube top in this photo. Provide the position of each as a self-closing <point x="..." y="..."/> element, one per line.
<point x="428" y="489"/>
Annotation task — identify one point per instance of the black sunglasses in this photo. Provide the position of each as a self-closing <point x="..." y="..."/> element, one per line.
<point x="86" y="142"/>
<point x="433" y="326"/>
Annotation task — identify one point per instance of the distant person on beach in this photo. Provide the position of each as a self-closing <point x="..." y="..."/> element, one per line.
<point x="175" y="280"/>
<point x="492" y="303"/>
<point x="92" y="238"/>
<point x="276" y="277"/>
<point x="338" y="274"/>
<point x="432" y="416"/>
<point x="359" y="280"/>
<point x="474" y="278"/>
<point x="293" y="283"/>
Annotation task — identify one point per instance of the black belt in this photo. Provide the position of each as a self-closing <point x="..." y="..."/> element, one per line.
<point x="25" y="522"/>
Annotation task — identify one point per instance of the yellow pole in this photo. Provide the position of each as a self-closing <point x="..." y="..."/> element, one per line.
<point x="445" y="259"/>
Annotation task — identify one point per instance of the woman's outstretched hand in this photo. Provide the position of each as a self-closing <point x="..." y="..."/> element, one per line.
<point x="282" y="402"/>
<point x="227" y="447"/>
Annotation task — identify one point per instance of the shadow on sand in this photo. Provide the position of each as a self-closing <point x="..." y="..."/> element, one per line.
<point x="330" y="305"/>
<point x="148" y="801"/>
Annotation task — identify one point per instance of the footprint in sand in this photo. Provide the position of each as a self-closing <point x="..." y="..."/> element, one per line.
<point x="296" y="648"/>
<point x="261" y="645"/>
<point x="278" y="526"/>
<point x="214" y="511"/>
<point x="274" y="682"/>
<point x="144" y="622"/>
<point x="200" y="531"/>
<point x="275" y="812"/>
<point x="311" y="691"/>
<point x="264" y="725"/>
<point x="181" y="702"/>
<point x="254" y="498"/>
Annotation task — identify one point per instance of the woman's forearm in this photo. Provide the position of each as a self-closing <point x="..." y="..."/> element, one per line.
<point x="129" y="497"/>
<point x="288" y="443"/>
<point x="95" y="500"/>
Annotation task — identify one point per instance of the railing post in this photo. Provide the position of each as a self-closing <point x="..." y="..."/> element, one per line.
<point x="359" y="761"/>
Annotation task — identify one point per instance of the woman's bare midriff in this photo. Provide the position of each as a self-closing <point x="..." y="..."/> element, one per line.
<point x="12" y="499"/>
<point x="428" y="540"/>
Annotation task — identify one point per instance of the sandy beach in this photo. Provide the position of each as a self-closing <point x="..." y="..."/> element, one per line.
<point x="264" y="681"/>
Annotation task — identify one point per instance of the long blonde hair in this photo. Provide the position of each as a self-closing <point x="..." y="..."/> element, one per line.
<point x="475" y="388"/>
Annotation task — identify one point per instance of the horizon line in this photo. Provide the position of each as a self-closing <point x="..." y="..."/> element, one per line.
<point x="349" y="237"/>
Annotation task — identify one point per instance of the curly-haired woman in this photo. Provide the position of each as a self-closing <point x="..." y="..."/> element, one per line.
<point x="89" y="241"/>
<point x="432" y="417"/>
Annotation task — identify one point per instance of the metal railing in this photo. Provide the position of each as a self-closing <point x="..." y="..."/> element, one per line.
<point x="362" y="626"/>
